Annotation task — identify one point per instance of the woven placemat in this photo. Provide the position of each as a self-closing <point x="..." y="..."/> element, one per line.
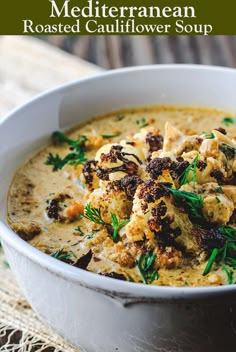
<point x="20" y="328"/>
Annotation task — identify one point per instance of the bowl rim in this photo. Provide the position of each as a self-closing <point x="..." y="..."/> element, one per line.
<point x="90" y="279"/>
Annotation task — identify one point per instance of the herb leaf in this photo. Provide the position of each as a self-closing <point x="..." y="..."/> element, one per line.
<point x="228" y="274"/>
<point x="228" y="150"/>
<point x="226" y="254"/>
<point x="109" y="135"/>
<point x="211" y="261"/>
<point x="191" y="168"/>
<point x="145" y="265"/>
<point x="94" y="215"/>
<point x="193" y="201"/>
<point x="116" y="225"/>
<point x="61" y="254"/>
<point x="76" y="157"/>
<point x="228" y="121"/>
<point x="142" y="122"/>
<point x="209" y="135"/>
<point x="60" y="137"/>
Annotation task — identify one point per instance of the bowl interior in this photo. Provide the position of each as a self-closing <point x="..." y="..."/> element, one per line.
<point x="29" y="127"/>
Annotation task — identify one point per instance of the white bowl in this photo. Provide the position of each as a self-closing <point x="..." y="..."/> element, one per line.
<point x="94" y="312"/>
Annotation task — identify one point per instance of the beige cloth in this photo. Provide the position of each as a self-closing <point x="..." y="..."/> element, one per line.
<point x="27" y="67"/>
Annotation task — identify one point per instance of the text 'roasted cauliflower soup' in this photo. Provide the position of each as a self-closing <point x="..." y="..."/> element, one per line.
<point x="145" y="195"/>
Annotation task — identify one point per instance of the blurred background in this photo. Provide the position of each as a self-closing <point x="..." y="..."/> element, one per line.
<point x="119" y="51"/>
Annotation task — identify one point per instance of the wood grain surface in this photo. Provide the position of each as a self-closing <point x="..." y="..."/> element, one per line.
<point x="118" y="51"/>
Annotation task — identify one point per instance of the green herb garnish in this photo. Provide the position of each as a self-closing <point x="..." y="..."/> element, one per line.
<point x="228" y="150"/>
<point x="116" y="225"/>
<point x="142" y="122"/>
<point x="184" y="178"/>
<point x="228" y="274"/>
<point x="59" y="137"/>
<point x="145" y="264"/>
<point x="120" y="117"/>
<point x="209" y="135"/>
<point x="218" y="199"/>
<point x="193" y="201"/>
<point x="76" y="157"/>
<point x="228" y="121"/>
<point x="211" y="261"/>
<point x="219" y="190"/>
<point x="225" y="254"/>
<point x="94" y="215"/>
<point x="109" y="135"/>
<point x="61" y="254"/>
<point x="78" y="229"/>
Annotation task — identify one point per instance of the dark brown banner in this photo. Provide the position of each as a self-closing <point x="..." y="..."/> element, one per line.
<point x="123" y="17"/>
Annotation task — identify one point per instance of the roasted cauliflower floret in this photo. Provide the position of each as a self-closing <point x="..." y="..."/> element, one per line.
<point x="116" y="161"/>
<point x="110" y="201"/>
<point x="218" y="209"/>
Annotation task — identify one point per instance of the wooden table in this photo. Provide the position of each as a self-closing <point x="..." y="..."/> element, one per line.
<point x="27" y="67"/>
<point x="118" y="51"/>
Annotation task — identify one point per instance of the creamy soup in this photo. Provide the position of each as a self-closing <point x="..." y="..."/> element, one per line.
<point x="145" y="195"/>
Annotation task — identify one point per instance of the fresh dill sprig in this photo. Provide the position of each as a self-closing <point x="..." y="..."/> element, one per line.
<point x="120" y="117"/>
<point x="228" y="274"/>
<point x="228" y="150"/>
<point x="193" y="201"/>
<point x="61" y="254"/>
<point x="211" y="261"/>
<point x="94" y="215"/>
<point x="209" y="135"/>
<point x="76" y="157"/>
<point x="109" y="135"/>
<point x="78" y="229"/>
<point x="219" y="189"/>
<point x="228" y="121"/>
<point x="116" y="225"/>
<point x="226" y="254"/>
<point x="184" y="177"/>
<point x="60" y="137"/>
<point x="145" y="264"/>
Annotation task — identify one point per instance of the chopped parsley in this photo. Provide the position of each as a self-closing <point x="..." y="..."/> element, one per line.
<point x="94" y="215"/>
<point x="145" y="264"/>
<point x="76" y="157"/>
<point x="228" y="121"/>
<point x="192" y="168"/>
<point x="142" y="122"/>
